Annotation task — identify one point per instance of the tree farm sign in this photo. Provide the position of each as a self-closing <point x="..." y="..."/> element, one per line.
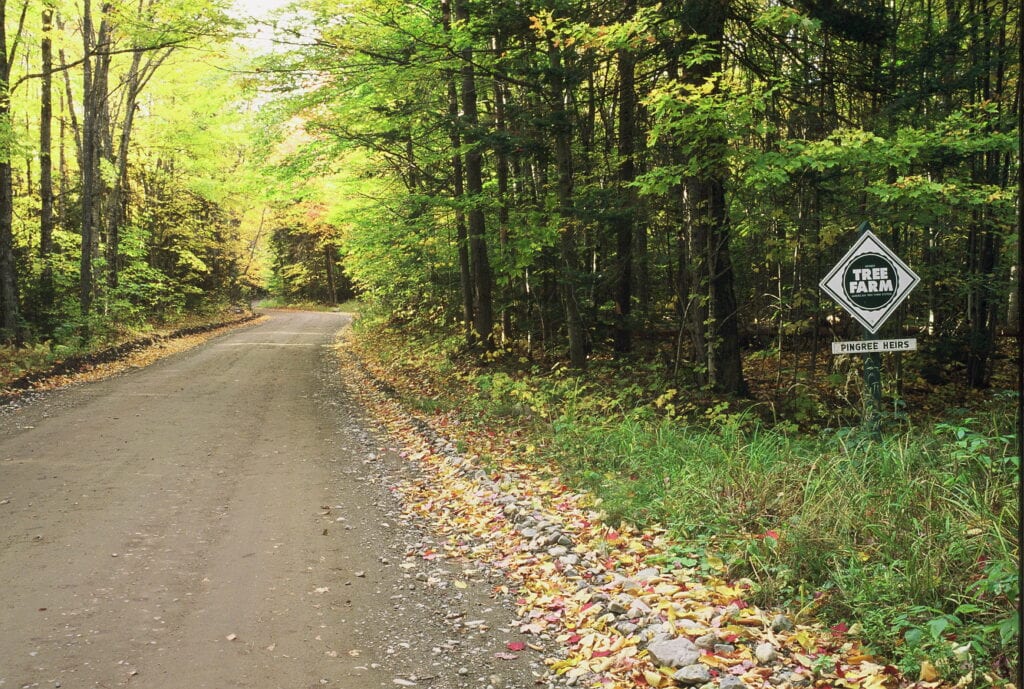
<point x="870" y="282"/>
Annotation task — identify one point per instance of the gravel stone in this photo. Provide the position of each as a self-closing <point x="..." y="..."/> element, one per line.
<point x="731" y="682"/>
<point x="765" y="653"/>
<point x="645" y="575"/>
<point x="678" y="652"/>
<point x="707" y="642"/>
<point x="781" y="623"/>
<point x="692" y="675"/>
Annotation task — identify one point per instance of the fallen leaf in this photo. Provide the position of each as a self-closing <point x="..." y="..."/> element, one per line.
<point x="928" y="672"/>
<point x="654" y="679"/>
<point x="515" y="645"/>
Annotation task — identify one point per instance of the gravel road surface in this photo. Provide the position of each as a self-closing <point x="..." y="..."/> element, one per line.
<point x="223" y="518"/>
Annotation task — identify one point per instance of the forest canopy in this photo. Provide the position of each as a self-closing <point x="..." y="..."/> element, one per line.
<point x="563" y="178"/>
<point x="576" y="179"/>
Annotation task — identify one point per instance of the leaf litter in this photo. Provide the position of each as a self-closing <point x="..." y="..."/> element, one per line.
<point x="588" y="586"/>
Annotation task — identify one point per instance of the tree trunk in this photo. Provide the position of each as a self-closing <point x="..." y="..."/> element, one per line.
<point x="504" y="202"/>
<point x="46" y="217"/>
<point x="713" y="308"/>
<point x="461" y="234"/>
<point x="332" y="286"/>
<point x="137" y="78"/>
<point x="483" y="312"/>
<point x="624" y="221"/>
<point x="89" y="164"/>
<point x="118" y="210"/>
<point x="9" y="311"/>
<point x="568" y="263"/>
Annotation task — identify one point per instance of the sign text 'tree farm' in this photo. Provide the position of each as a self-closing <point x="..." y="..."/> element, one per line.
<point x="870" y="281"/>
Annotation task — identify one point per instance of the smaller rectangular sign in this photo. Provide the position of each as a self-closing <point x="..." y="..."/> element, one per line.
<point x="870" y="346"/>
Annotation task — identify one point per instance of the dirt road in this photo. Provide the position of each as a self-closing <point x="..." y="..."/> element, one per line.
<point x="223" y="519"/>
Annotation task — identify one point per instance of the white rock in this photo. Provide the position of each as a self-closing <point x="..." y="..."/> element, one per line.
<point x="692" y="675"/>
<point x="677" y="652"/>
<point x="765" y="653"/>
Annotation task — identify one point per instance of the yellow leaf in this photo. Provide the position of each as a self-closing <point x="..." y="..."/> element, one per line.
<point x="860" y="658"/>
<point x="803" y="660"/>
<point x="715" y="562"/>
<point x="928" y="672"/>
<point x="720" y="663"/>
<point x="461" y="584"/>
<point x="729" y="591"/>
<point x="805" y="641"/>
<point x="875" y="682"/>
<point x="750" y="620"/>
<point x="577" y="672"/>
<point x="654" y="679"/>
<point x="562" y="666"/>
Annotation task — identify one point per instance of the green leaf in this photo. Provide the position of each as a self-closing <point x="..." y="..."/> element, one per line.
<point x="937" y="626"/>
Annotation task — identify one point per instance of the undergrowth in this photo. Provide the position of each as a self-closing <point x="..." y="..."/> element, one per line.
<point x="89" y="334"/>
<point x="910" y="542"/>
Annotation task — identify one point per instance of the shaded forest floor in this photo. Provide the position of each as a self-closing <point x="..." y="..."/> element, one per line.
<point x="910" y="542"/>
<point x="826" y="393"/>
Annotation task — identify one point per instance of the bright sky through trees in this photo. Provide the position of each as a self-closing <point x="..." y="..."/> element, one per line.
<point x="257" y="8"/>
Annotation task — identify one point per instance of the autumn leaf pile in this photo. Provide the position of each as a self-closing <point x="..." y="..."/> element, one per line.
<point x="591" y="588"/>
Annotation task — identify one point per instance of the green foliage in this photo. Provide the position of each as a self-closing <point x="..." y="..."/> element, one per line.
<point x="915" y="524"/>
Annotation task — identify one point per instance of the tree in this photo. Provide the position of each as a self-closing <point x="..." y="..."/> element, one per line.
<point x="480" y="268"/>
<point x="624" y="222"/>
<point x="46" y="199"/>
<point x="9" y="307"/>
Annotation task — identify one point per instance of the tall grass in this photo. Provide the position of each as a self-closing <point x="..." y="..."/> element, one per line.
<point x="910" y="536"/>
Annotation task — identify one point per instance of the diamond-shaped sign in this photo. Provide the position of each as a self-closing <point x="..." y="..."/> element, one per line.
<point x="870" y="281"/>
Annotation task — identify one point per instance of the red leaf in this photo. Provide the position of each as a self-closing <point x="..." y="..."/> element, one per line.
<point x="515" y="645"/>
